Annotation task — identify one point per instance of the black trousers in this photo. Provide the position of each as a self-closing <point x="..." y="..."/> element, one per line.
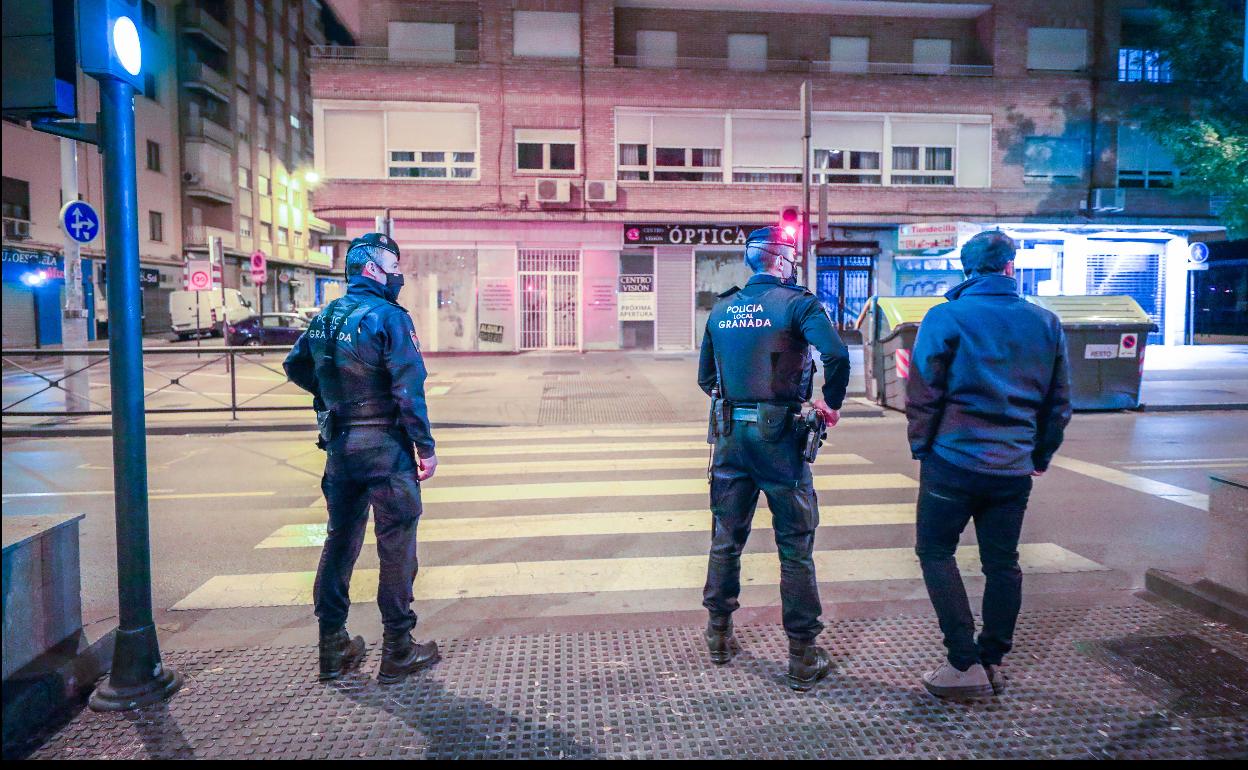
<point x="744" y="465"/>
<point x="369" y="466"/>
<point x="949" y="498"/>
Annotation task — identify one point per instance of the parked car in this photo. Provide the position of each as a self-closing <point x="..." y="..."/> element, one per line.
<point x="193" y="312"/>
<point x="308" y="312"/>
<point x="267" y="329"/>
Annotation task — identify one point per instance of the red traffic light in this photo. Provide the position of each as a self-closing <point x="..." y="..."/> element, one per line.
<point x="791" y="219"/>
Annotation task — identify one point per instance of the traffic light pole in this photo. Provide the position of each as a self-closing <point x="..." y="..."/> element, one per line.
<point x="137" y="678"/>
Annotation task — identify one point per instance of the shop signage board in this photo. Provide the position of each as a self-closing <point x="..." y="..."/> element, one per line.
<point x="635" y="298"/>
<point x="687" y="235"/>
<point x="490" y="332"/>
<point x="933" y="235"/>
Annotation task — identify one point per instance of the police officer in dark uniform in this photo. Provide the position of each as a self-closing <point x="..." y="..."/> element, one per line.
<point x="360" y="359"/>
<point x="756" y="357"/>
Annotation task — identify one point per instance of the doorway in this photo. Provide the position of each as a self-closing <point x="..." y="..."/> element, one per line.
<point x="550" y="299"/>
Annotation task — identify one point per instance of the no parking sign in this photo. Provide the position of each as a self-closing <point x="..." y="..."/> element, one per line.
<point x="1128" y="345"/>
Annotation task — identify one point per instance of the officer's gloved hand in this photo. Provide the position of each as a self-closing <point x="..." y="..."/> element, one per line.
<point x="830" y="416"/>
<point x="426" y="467"/>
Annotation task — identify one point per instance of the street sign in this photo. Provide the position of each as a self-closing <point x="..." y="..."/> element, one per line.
<point x="198" y="275"/>
<point x="80" y="221"/>
<point x="259" y="267"/>
<point x="1128" y="345"/>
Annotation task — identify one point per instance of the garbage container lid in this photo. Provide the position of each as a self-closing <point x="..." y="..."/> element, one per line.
<point x="906" y="310"/>
<point x="1101" y="310"/>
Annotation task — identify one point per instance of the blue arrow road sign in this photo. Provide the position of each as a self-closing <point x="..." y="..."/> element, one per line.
<point x="80" y="221"/>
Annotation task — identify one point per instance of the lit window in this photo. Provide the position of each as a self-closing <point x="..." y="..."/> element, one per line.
<point x="1136" y="65"/>
<point x="847" y="167"/>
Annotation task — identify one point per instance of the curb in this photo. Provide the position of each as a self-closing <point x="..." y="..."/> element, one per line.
<point x="49" y="688"/>
<point x="1237" y="406"/>
<point x="1214" y="601"/>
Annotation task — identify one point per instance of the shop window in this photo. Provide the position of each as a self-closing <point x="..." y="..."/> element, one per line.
<point x="538" y="150"/>
<point x="156" y="226"/>
<point x="847" y="167"/>
<point x="1052" y="159"/>
<point x="153" y="156"/>
<point x="930" y="165"/>
<point x="546" y="34"/>
<point x="1137" y="65"/>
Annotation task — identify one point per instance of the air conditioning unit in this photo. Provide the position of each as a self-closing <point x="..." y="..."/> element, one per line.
<point x="553" y="190"/>
<point x="1109" y="199"/>
<point x="600" y="191"/>
<point x="17" y="229"/>
<point x="190" y="177"/>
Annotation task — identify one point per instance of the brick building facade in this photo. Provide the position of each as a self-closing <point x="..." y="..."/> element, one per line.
<point x="531" y="152"/>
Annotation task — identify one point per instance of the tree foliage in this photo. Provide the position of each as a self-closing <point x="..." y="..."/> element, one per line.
<point x="1204" y="121"/>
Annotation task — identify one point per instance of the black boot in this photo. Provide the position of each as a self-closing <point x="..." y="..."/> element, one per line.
<point x="720" y="640"/>
<point x="402" y="655"/>
<point x="340" y="653"/>
<point x="808" y="663"/>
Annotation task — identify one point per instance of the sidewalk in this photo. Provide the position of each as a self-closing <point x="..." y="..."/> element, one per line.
<point x="1195" y="377"/>
<point x="1124" y="682"/>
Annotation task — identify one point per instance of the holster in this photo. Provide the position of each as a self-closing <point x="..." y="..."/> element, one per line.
<point x="326" y="427"/>
<point x="719" y="421"/>
<point x="814" y="430"/>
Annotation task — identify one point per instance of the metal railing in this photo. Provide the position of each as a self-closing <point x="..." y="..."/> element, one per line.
<point x="809" y="66"/>
<point x="413" y="56"/>
<point x="38" y="378"/>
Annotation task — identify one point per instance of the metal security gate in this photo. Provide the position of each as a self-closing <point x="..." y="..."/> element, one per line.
<point x="844" y="286"/>
<point x="550" y="299"/>
<point x="674" y="284"/>
<point x="19" y="323"/>
<point x="1135" y="272"/>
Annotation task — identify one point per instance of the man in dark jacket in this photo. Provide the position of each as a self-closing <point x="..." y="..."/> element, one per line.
<point x="360" y="359"/>
<point x="988" y="400"/>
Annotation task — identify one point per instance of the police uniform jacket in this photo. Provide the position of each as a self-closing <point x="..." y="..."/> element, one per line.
<point x="360" y="358"/>
<point x="759" y="338"/>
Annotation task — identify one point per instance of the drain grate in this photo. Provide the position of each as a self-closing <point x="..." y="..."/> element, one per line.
<point x="1193" y="676"/>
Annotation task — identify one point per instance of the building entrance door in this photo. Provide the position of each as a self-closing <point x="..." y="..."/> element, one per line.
<point x="845" y="283"/>
<point x="550" y="299"/>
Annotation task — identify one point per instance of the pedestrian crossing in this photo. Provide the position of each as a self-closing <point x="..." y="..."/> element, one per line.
<point x="596" y="513"/>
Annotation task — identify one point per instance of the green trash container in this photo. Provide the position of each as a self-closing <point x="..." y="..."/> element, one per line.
<point x="1105" y="339"/>
<point x="889" y="326"/>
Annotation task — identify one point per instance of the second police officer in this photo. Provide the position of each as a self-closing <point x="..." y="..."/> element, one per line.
<point x="756" y="357"/>
<point x="360" y="359"/>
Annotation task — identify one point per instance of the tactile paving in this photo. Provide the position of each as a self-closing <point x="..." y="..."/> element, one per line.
<point x="651" y="693"/>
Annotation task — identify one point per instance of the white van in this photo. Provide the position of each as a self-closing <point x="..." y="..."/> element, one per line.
<point x="191" y="312"/>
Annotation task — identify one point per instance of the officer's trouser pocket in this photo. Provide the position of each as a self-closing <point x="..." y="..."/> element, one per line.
<point x="773" y="422"/>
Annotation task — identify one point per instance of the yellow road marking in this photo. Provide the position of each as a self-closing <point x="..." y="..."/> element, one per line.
<point x="653" y="573"/>
<point x="1191" y="466"/>
<point x="581" y="524"/>
<point x="691" y="431"/>
<point x="621" y="464"/>
<point x="552" y="449"/>
<point x="18" y="495"/>
<point x="1138" y="483"/>
<point x="647" y="488"/>
<point x="1185" y="461"/>
<point x="206" y="495"/>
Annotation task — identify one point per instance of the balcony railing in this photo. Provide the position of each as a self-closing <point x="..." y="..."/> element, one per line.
<point x="197" y="21"/>
<point x="386" y="55"/>
<point x="810" y="67"/>
<point x="205" y="128"/>
<point x="197" y="235"/>
<point x="201" y="77"/>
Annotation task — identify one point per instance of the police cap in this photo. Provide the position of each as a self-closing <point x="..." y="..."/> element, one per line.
<point x="380" y="240"/>
<point x="776" y="236"/>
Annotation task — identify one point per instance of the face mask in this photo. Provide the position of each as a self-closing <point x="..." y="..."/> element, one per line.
<point x="394" y="284"/>
<point x="792" y="279"/>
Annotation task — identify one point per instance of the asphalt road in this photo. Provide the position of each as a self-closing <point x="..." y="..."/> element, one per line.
<point x="563" y="528"/>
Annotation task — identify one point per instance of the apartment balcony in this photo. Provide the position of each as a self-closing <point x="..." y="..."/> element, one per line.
<point x="199" y="23"/>
<point x="208" y="186"/>
<point x="200" y="77"/>
<point x="389" y="55"/>
<point x="205" y="129"/>
<point x="808" y="67"/>
<point x="197" y="236"/>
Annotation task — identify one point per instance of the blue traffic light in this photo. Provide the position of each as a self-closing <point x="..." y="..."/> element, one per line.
<point x="109" y="45"/>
